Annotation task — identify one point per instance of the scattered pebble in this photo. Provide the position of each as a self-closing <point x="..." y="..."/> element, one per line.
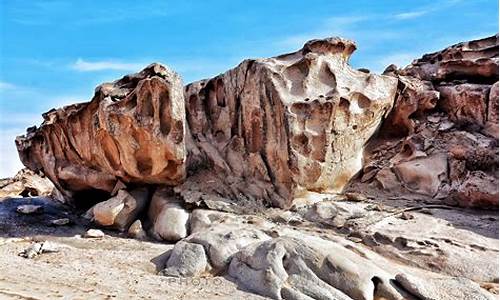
<point x="357" y="197"/>
<point x="39" y="248"/>
<point x="29" y="209"/>
<point x="94" y="233"/>
<point x="60" y="222"/>
<point x="446" y="125"/>
<point x="407" y="216"/>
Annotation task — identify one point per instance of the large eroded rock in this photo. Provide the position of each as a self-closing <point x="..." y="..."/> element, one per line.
<point x="271" y="128"/>
<point x="132" y="130"/>
<point x="265" y="130"/>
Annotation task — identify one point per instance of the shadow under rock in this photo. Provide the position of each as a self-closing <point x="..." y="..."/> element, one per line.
<point x="15" y="224"/>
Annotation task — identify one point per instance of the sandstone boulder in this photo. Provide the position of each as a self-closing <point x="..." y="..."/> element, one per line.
<point x="136" y="230"/>
<point x="271" y="128"/>
<point x="169" y="218"/>
<point x="465" y="103"/>
<point x="423" y="175"/>
<point x="27" y="183"/>
<point x="121" y="210"/>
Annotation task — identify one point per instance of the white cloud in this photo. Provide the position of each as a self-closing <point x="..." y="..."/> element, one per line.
<point x="410" y="15"/>
<point x="90" y="66"/>
<point x="6" y="86"/>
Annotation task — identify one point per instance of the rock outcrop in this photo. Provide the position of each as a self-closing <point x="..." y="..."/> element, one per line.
<point x="27" y="183"/>
<point x="440" y="142"/>
<point x="371" y="168"/>
<point x="132" y="130"/>
<point x="264" y="131"/>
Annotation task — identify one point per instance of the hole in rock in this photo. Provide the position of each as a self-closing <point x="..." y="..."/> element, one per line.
<point x="376" y="281"/>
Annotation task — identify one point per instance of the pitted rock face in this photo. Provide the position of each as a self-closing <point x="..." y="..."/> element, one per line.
<point x="132" y="130"/>
<point x="290" y="123"/>
<point x="475" y="61"/>
<point x="267" y="130"/>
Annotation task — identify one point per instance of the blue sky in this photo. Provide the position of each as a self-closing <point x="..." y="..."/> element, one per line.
<point x="55" y="52"/>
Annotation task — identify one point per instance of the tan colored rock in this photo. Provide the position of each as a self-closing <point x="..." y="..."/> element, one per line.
<point x="136" y="230"/>
<point x="121" y="210"/>
<point x="169" y="218"/>
<point x="423" y="175"/>
<point x="94" y="234"/>
<point x="132" y="130"/>
<point x="26" y="183"/>
<point x="273" y="128"/>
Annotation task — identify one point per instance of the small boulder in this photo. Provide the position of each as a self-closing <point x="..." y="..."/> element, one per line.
<point x="136" y="231"/>
<point x="94" y="233"/>
<point x="170" y="219"/>
<point x="186" y="260"/>
<point x="121" y="210"/>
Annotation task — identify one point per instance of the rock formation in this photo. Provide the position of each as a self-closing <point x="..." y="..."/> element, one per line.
<point x="132" y="130"/>
<point x="264" y="131"/>
<point x="440" y="142"/>
<point x="351" y="155"/>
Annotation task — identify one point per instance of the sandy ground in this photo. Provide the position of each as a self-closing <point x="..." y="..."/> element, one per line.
<point x="113" y="267"/>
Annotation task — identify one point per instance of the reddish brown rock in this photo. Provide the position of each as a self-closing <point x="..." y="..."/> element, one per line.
<point x="271" y="128"/>
<point x="465" y="103"/>
<point x="474" y="61"/>
<point x="265" y="130"/>
<point x="491" y="126"/>
<point x="477" y="190"/>
<point x="132" y="130"/>
<point x="414" y="97"/>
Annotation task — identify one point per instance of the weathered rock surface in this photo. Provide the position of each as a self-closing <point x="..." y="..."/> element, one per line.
<point x="475" y="61"/>
<point x="263" y="131"/>
<point x="132" y="130"/>
<point x="121" y="210"/>
<point x="26" y="183"/>
<point x="169" y="218"/>
<point x="186" y="260"/>
<point x="271" y="128"/>
<point x="447" y="108"/>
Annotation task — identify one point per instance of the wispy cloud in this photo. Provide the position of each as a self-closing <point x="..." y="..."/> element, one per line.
<point x="411" y="15"/>
<point x="425" y="10"/>
<point x="6" y="86"/>
<point x="90" y="66"/>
